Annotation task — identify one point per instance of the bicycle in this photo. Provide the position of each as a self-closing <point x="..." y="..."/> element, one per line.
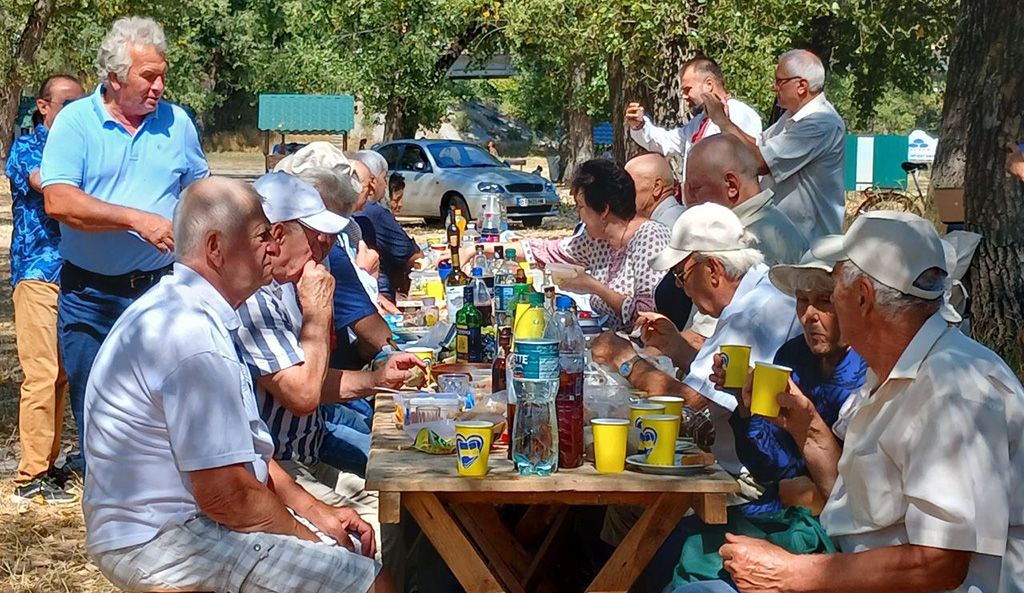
<point x="896" y="198"/>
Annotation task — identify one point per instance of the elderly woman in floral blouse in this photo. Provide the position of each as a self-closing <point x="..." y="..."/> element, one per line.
<point x="613" y="245"/>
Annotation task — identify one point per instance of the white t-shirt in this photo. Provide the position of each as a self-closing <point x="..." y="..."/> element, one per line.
<point x="167" y="395"/>
<point x="933" y="457"/>
<point x="759" y="316"/>
<point x="679" y="141"/>
<point x="806" y="157"/>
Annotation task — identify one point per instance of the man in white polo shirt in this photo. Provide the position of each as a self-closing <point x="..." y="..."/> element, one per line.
<point x="803" y="155"/>
<point x="924" y="495"/>
<point x="182" y="493"/>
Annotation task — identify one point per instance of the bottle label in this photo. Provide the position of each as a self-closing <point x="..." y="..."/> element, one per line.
<point x="455" y="296"/>
<point x="535" y="359"/>
<point x="469" y="345"/>
<point x="503" y="293"/>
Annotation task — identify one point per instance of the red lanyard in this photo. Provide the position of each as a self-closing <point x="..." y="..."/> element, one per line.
<point x="700" y="131"/>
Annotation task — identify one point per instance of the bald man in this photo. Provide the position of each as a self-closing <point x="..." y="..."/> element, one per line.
<point x="722" y="170"/>
<point x="655" y="185"/>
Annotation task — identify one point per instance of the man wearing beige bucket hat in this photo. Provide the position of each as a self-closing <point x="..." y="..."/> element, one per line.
<point x="922" y="493"/>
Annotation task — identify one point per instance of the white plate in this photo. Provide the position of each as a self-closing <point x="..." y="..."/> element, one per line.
<point x="638" y="463"/>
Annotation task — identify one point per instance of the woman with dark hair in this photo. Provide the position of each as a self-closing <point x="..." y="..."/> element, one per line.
<point x="613" y="244"/>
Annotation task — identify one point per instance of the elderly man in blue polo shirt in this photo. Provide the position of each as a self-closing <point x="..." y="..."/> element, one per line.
<point x="111" y="173"/>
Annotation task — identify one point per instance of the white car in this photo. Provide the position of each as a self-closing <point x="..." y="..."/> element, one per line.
<point x="441" y="174"/>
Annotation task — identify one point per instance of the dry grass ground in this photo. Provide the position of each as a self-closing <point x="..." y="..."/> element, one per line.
<point x="42" y="548"/>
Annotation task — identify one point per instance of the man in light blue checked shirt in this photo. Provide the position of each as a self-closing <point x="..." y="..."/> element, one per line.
<point x="285" y="335"/>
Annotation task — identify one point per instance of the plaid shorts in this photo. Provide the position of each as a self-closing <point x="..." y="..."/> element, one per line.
<point x="202" y="555"/>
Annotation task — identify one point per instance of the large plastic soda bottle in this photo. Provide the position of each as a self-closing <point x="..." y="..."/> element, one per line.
<point x="569" y="401"/>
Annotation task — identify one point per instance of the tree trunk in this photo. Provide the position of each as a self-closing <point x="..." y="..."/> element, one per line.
<point x="580" y="133"/>
<point x="13" y="80"/>
<point x="982" y="113"/>
<point x="394" y="120"/>
<point x="624" y="89"/>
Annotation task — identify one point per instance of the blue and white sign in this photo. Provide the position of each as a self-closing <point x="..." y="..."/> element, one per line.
<point x="921" y="147"/>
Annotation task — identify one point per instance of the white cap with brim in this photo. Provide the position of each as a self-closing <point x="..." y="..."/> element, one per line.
<point x="785" y="276"/>
<point x="894" y="248"/>
<point x="707" y="228"/>
<point x="288" y="198"/>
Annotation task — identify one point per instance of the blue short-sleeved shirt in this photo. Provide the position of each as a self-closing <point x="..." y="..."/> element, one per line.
<point x="350" y="305"/>
<point x="392" y="242"/>
<point x="90" y="150"/>
<point x="35" y="235"/>
<point x="350" y="300"/>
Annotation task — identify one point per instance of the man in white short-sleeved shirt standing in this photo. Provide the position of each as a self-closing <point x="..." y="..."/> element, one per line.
<point x="803" y="155"/>
<point x="924" y="496"/>
<point x="182" y="493"/>
<point x="697" y="77"/>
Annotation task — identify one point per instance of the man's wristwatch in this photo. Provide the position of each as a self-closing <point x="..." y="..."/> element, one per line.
<point x="627" y="367"/>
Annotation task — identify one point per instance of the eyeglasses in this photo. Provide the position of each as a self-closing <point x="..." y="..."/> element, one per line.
<point x="781" y="81"/>
<point x="682" y="275"/>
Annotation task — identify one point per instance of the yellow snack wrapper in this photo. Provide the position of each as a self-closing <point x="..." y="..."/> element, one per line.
<point x="428" y="442"/>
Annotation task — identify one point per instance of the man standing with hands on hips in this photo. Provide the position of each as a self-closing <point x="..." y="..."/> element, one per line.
<point x="112" y="171"/>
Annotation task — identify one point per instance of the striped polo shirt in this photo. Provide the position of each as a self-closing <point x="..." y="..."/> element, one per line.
<point x="269" y="341"/>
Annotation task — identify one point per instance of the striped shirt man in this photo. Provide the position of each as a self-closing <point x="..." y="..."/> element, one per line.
<point x="269" y="340"/>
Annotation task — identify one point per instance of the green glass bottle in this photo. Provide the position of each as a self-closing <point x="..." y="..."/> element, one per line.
<point x="469" y="343"/>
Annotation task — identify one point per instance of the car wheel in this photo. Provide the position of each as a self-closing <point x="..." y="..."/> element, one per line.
<point x="532" y="222"/>
<point x="450" y="202"/>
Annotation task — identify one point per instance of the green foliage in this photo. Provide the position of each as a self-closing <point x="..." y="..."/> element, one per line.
<point x="883" y="54"/>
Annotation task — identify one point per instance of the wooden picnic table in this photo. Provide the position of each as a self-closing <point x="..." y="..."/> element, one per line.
<point x="460" y="518"/>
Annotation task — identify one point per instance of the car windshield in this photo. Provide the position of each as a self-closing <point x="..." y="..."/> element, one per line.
<point x="462" y="156"/>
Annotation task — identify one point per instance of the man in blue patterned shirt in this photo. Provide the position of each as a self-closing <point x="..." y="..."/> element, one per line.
<point x="35" y="272"/>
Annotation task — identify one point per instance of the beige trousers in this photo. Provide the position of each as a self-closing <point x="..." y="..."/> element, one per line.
<point x="41" y="408"/>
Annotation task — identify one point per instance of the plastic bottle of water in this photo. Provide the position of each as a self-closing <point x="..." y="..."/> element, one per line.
<point x="534" y="380"/>
<point x="471" y="236"/>
<point x="564" y="328"/>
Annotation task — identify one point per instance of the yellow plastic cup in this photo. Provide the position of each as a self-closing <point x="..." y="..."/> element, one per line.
<point x="673" y="405"/>
<point x="769" y="381"/>
<point x="424" y="354"/>
<point x="659" y="434"/>
<point x="737" y="363"/>
<point x="610" y="436"/>
<point x="435" y="288"/>
<point x="473" y="447"/>
<point x="643" y="409"/>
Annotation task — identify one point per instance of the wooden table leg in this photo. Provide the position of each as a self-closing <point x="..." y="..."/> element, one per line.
<point x="451" y="543"/>
<point x="640" y="544"/>
<point x="485" y="528"/>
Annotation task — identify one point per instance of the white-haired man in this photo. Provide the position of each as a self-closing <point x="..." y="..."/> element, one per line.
<point x="285" y="337"/>
<point x="802" y="156"/>
<point x="111" y="174"/>
<point x="718" y="267"/>
<point x="182" y="493"/>
<point x="697" y="77"/>
<point x="382" y="231"/>
<point x="924" y="495"/>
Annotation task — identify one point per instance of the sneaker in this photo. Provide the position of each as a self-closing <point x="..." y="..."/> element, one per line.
<point x="43" y="487"/>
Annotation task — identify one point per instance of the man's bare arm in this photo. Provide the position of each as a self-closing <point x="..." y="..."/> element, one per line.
<point x="372" y="333"/>
<point x="80" y="211"/>
<point x="232" y="497"/>
<point x="917" y="569"/>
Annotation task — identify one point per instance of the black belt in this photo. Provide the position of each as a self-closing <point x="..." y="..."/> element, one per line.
<point x="131" y="284"/>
